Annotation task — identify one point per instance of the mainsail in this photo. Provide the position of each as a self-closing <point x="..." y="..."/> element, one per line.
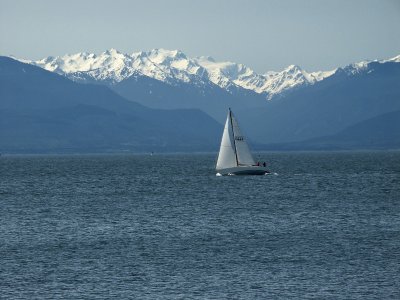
<point x="242" y="149"/>
<point x="234" y="150"/>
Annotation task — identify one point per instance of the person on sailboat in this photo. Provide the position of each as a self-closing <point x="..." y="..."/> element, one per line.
<point x="264" y="164"/>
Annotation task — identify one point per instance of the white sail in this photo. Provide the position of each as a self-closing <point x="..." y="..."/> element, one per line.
<point x="227" y="156"/>
<point x="242" y="149"/>
<point x="234" y="154"/>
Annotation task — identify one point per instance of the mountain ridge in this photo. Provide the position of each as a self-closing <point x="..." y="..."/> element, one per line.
<point x="328" y="106"/>
<point x="41" y="111"/>
<point x="173" y="66"/>
<point x="348" y="96"/>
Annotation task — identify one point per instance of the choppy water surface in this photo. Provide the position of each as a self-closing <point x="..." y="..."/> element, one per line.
<point x="165" y="227"/>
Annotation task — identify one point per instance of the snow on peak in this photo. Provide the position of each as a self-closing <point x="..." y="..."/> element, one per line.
<point x="393" y="59"/>
<point x="173" y="66"/>
<point x="114" y="66"/>
<point x="358" y="67"/>
<point x="112" y="51"/>
<point x="364" y="66"/>
<point x="161" y="56"/>
<point x="167" y="65"/>
<point x="291" y="77"/>
<point x="228" y="74"/>
<point x="109" y="65"/>
<point x="293" y="68"/>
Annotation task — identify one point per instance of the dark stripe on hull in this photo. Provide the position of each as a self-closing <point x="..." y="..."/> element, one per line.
<point x="250" y="172"/>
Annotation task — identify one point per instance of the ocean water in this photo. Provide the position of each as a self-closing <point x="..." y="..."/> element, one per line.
<point x="326" y="226"/>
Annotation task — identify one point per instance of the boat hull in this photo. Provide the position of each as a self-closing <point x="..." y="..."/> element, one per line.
<point x="243" y="170"/>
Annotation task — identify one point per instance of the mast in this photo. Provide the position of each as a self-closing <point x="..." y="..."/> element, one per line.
<point x="233" y="133"/>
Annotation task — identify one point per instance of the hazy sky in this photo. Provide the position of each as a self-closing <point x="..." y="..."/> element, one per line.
<point x="265" y="35"/>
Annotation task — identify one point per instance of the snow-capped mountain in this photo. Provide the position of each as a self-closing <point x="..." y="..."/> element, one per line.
<point x="113" y="66"/>
<point x="173" y="67"/>
<point x="272" y="83"/>
<point x="365" y="66"/>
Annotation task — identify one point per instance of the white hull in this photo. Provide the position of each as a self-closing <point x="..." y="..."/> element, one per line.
<point x="243" y="170"/>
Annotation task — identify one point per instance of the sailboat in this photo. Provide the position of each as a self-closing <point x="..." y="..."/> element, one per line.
<point x="234" y="156"/>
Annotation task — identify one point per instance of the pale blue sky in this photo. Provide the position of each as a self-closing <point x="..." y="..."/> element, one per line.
<point x="265" y="35"/>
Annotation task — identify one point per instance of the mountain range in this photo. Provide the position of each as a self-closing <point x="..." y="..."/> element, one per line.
<point x="291" y="109"/>
<point x="329" y="106"/>
<point x="173" y="67"/>
<point x="41" y="111"/>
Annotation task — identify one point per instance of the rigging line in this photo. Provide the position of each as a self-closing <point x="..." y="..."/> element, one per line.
<point x="233" y="133"/>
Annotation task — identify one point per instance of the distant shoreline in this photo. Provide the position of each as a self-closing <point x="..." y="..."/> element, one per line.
<point x="123" y="153"/>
